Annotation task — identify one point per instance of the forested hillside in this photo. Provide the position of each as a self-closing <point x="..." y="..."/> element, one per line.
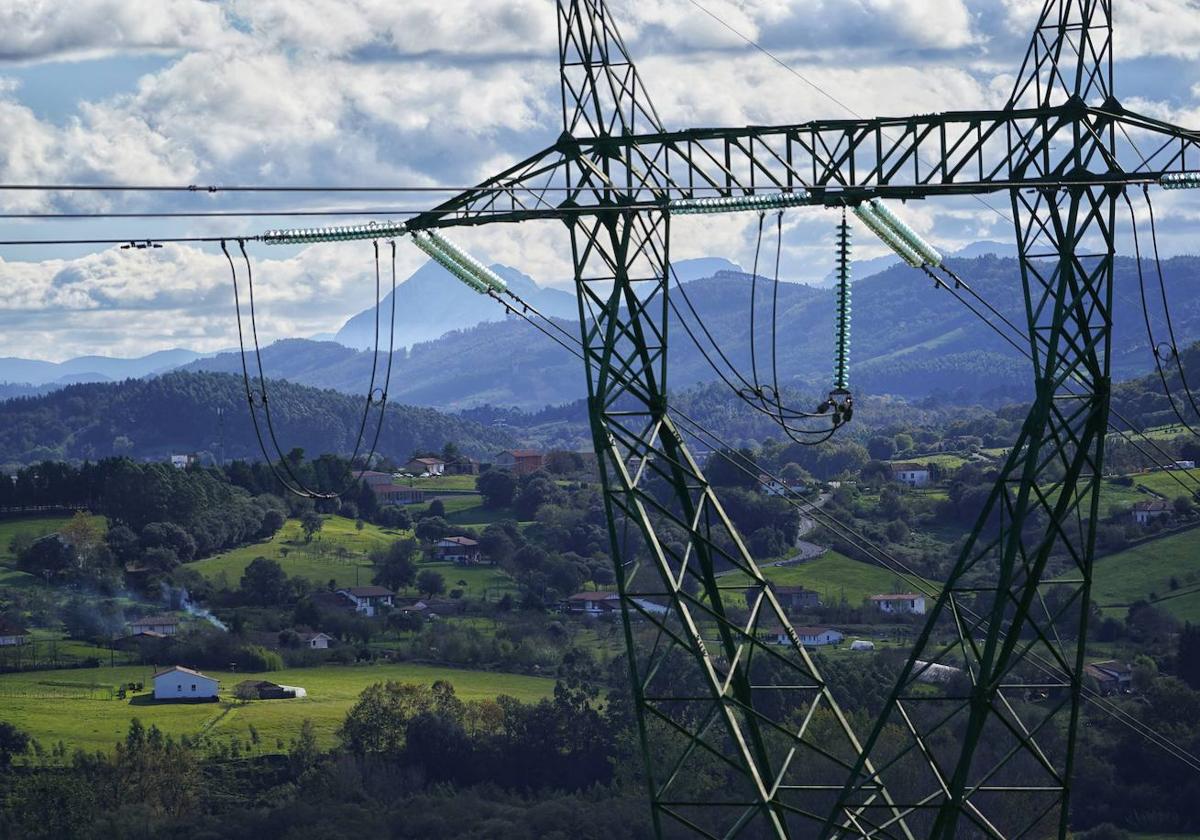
<point x="178" y="413"/>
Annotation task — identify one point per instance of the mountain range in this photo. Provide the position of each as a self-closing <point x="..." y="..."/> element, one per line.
<point x="910" y="339"/>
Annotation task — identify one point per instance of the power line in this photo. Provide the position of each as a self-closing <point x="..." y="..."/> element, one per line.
<point x="814" y="85"/>
<point x="884" y="558"/>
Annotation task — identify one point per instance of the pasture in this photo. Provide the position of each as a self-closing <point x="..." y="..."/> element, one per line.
<point x="74" y="706"/>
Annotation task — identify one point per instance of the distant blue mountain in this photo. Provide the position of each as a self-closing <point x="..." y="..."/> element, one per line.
<point x="92" y="368"/>
<point x="431" y="303"/>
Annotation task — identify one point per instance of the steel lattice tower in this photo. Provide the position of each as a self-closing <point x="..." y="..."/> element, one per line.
<point x="742" y="738"/>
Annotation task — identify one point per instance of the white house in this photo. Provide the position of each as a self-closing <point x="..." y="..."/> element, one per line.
<point x="164" y="625"/>
<point x="1143" y="512"/>
<point x="181" y="462"/>
<point x="808" y="636"/>
<point x="179" y="683"/>
<point x="461" y="550"/>
<point x="12" y="634"/>
<point x="593" y="603"/>
<point x="426" y="466"/>
<point x="368" y="599"/>
<point x="914" y="475"/>
<point x="316" y="641"/>
<point x="907" y="603"/>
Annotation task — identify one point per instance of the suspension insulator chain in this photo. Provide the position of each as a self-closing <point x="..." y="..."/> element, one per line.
<point x="841" y="369"/>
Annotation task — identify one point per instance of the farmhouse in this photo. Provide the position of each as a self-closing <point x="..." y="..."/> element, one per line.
<point x="316" y="641"/>
<point x="520" y="461"/>
<point x="461" y="550"/>
<point x="779" y="487"/>
<point x="914" y="475"/>
<point x="1113" y="677"/>
<point x="462" y="466"/>
<point x="797" y="597"/>
<point x="592" y="603"/>
<point x="12" y="634"/>
<point x="163" y="625"/>
<point x="333" y="601"/>
<point x="179" y="683"/>
<point x="368" y="599"/>
<point x="809" y="636"/>
<point x="1143" y="512"/>
<point x="373" y="478"/>
<point x="426" y="466"/>
<point x="907" y="603"/>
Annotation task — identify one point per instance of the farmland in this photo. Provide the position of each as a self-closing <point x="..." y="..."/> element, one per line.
<point x="1162" y="570"/>
<point x="74" y="706"/>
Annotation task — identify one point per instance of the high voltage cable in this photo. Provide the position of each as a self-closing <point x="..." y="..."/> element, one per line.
<point x="912" y="578"/>
<point x="813" y="85"/>
<point x="882" y="557"/>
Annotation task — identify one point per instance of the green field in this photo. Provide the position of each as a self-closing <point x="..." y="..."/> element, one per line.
<point x="1119" y="579"/>
<point x="452" y="483"/>
<point x="834" y="576"/>
<point x="336" y="552"/>
<point x="1168" y="483"/>
<point x="486" y="582"/>
<point x="68" y="705"/>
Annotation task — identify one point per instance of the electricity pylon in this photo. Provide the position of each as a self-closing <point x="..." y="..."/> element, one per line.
<point x="742" y="738"/>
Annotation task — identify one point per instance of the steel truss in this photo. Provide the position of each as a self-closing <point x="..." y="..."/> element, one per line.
<point x="743" y="738"/>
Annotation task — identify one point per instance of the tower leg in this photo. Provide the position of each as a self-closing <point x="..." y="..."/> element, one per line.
<point x="741" y="735"/>
<point x="989" y="746"/>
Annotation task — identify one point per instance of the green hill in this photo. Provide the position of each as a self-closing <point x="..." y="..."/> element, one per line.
<point x="195" y="412"/>
<point x="1164" y="571"/>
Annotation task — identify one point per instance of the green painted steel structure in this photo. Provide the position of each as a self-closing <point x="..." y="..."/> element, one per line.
<point x="741" y="737"/>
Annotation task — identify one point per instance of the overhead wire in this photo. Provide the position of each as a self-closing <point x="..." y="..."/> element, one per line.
<point x="881" y="556"/>
<point x="1162" y="289"/>
<point x="293" y="483"/>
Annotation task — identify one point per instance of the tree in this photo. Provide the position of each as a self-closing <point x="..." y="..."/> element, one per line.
<point x="311" y="523"/>
<point x="497" y="487"/>
<point x="264" y="582"/>
<point x="396" y="568"/>
<point x="437" y="508"/>
<point x="378" y="720"/>
<point x="13" y="743"/>
<point x="881" y="448"/>
<point x="272" y="521"/>
<point x="537" y="490"/>
<point x="432" y="528"/>
<point x="431" y="582"/>
<point x="169" y="535"/>
<point x="394" y="516"/>
<point x="1187" y="659"/>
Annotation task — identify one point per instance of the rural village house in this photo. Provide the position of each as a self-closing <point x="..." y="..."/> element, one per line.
<point x="12" y="634"/>
<point x="907" y="603"/>
<point x="461" y="550"/>
<point x="809" y="636"/>
<point x="796" y="597"/>
<point x="163" y="625"/>
<point x="368" y="599"/>
<point x="1143" y="512"/>
<point x="316" y="641"/>
<point x="422" y="466"/>
<point x="520" y="461"/>
<point x="1112" y="677"/>
<point x="914" y="475"/>
<point x="179" y="683"/>
<point x="592" y="603"/>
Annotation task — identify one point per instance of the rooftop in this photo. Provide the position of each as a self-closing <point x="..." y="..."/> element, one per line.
<point x="903" y="596"/>
<point x="181" y="669"/>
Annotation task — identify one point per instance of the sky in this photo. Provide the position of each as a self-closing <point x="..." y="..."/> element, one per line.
<point x="444" y="93"/>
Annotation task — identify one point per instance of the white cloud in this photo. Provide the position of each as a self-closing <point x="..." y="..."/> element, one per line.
<point x="51" y="29"/>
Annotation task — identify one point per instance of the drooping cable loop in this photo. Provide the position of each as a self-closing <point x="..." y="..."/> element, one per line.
<point x="260" y="396"/>
<point x="1154" y="346"/>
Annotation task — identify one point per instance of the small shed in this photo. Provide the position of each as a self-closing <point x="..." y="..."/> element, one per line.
<point x="265" y="690"/>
